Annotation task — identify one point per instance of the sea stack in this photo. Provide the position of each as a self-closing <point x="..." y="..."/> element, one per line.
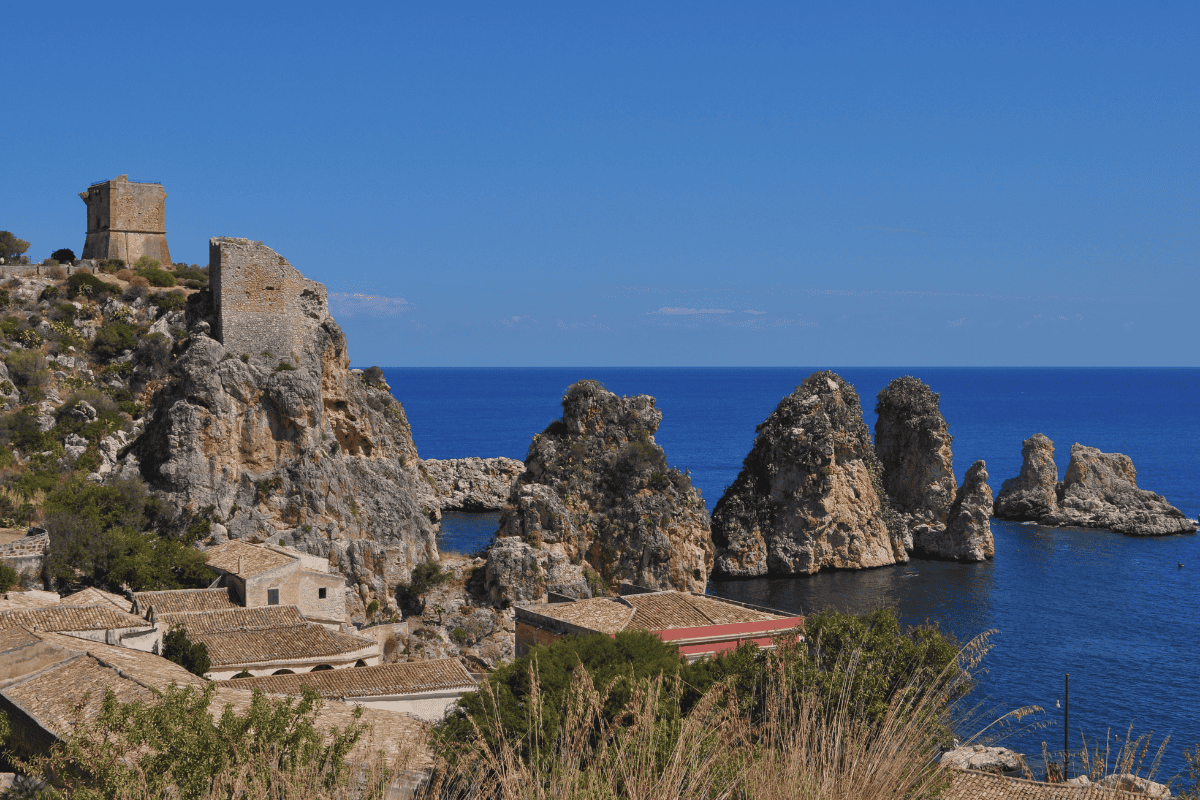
<point x="597" y="496"/>
<point x="912" y="440"/>
<point x="1032" y="495"/>
<point x="809" y="495"/>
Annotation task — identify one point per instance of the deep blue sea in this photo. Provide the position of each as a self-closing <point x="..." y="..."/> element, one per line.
<point x="1118" y="613"/>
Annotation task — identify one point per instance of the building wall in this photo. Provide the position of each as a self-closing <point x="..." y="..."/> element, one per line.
<point x="148" y="640"/>
<point x="529" y="636"/>
<point x="370" y="658"/>
<point x="429" y="706"/>
<point x="262" y="303"/>
<point x="126" y="220"/>
<point x="286" y="579"/>
<point x="333" y="607"/>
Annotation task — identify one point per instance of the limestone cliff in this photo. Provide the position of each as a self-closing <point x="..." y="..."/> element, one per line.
<point x="1099" y="490"/>
<point x="291" y="447"/>
<point x="472" y="484"/>
<point x="1032" y="494"/>
<point x="912" y="441"/>
<point x="810" y="493"/>
<point x="598" y="497"/>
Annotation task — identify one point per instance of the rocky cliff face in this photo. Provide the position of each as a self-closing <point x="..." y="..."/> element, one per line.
<point x="1032" y="495"/>
<point x="1099" y="490"/>
<point x="294" y="450"/>
<point x="472" y="484"/>
<point x="810" y="494"/>
<point x="598" y="500"/>
<point x="912" y="441"/>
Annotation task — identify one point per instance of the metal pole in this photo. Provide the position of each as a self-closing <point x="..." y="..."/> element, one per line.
<point x="1067" y="727"/>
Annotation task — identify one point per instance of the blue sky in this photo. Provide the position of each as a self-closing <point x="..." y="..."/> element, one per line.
<point x="651" y="183"/>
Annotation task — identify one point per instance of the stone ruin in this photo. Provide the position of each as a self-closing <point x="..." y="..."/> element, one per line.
<point x="126" y="220"/>
<point x="261" y="303"/>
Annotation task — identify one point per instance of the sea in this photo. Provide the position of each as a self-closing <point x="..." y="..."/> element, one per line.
<point x="1119" y="614"/>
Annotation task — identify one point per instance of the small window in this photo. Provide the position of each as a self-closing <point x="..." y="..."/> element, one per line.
<point x="272" y="597"/>
<point x="321" y="593"/>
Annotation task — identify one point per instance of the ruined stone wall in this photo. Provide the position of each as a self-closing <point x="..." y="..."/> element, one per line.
<point x="262" y="303"/>
<point x="126" y="220"/>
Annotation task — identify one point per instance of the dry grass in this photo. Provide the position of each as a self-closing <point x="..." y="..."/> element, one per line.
<point x="799" y="748"/>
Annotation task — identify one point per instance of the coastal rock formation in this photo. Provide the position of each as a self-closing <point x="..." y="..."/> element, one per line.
<point x="472" y="484"/>
<point x="517" y="572"/>
<point x="997" y="760"/>
<point x="1129" y="782"/>
<point x="912" y="441"/>
<point x="289" y="446"/>
<point x="967" y="535"/>
<point x="597" y="489"/>
<point x="810" y="494"/>
<point x="1032" y="495"/>
<point x="1099" y="490"/>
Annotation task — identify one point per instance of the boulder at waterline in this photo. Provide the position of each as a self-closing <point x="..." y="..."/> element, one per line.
<point x="967" y="534"/>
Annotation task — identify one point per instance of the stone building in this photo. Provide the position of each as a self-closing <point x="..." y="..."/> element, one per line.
<point x="262" y="303"/>
<point x="126" y="220"/>
<point x="700" y="625"/>
<point x="267" y="575"/>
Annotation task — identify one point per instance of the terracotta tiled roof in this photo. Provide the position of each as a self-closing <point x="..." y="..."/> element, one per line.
<point x="71" y="618"/>
<point x="234" y="619"/>
<point x="183" y="600"/>
<point x="602" y="614"/>
<point x="86" y="669"/>
<point x="11" y="601"/>
<point x="246" y="560"/>
<point x="666" y="610"/>
<point x="972" y="785"/>
<point x="438" y="674"/>
<point x="298" y="642"/>
<point x="94" y="596"/>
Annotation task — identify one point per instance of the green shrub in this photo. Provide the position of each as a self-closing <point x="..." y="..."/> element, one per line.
<point x="146" y="262"/>
<point x="50" y="262"/>
<point x="158" y="277"/>
<point x="27" y="368"/>
<point x="5" y="299"/>
<point x="10" y="327"/>
<point x="111" y="265"/>
<point x="192" y="656"/>
<point x="20" y="430"/>
<point x="50" y="293"/>
<point x="192" y="273"/>
<point x="9" y="578"/>
<point x="64" y="256"/>
<point x="89" y="286"/>
<point x="169" y="301"/>
<point x="425" y="576"/>
<point x="285" y="366"/>
<point x="113" y="339"/>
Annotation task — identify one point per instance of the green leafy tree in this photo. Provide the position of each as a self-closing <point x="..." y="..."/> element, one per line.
<point x="11" y="246"/>
<point x="64" y="255"/>
<point x="9" y="578"/>
<point x="192" y="656"/>
<point x="612" y="662"/>
<point x="173" y="747"/>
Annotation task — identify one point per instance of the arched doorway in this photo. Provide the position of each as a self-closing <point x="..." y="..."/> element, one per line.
<point x="320" y="668"/>
<point x="283" y="672"/>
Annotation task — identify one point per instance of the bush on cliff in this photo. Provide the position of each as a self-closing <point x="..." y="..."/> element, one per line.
<point x="88" y="286"/>
<point x="113" y="339"/>
<point x="27" y="368"/>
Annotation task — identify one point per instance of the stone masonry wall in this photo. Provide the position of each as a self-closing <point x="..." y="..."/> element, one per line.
<point x="261" y="301"/>
<point x="126" y="220"/>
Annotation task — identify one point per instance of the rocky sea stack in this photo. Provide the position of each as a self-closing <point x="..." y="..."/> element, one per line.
<point x="810" y="494"/>
<point x="912" y="440"/>
<point x="598" y="505"/>
<point x="286" y="445"/>
<point x="1099" y="490"/>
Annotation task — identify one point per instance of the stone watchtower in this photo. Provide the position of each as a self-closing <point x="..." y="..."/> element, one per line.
<point x="126" y="220"/>
<point x="262" y="303"/>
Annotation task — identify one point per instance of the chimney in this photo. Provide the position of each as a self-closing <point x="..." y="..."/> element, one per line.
<point x="239" y="572"/>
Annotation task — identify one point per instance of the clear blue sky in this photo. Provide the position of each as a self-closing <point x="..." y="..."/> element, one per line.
<point x="651" y="183"/>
